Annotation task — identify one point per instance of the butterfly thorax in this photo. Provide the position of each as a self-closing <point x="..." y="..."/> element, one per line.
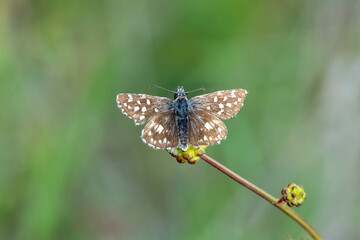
<point x="181" y="107"/>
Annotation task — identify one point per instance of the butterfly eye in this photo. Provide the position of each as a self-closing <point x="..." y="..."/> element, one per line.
<point x="175" y="96"/>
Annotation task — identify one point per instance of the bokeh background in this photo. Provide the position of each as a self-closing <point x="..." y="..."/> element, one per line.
<point x="73" y="166"/>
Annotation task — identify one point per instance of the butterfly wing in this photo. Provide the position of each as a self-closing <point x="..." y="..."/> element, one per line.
<point x="142" y="107"/>
<point x="205" y="129"/>
<point x="205" y="126"/>
<point x="161" y="131"/>
<point x="223" y="104"/>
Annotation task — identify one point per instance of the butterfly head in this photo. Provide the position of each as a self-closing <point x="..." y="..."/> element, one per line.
<point x="180" y="93"/>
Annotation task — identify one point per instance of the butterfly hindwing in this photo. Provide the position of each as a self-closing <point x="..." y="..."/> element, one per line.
<point x="223" y="104"/>
<point x="142" y="107"/>
<point x="205" y="129"/>
<point x="161" y="131"/>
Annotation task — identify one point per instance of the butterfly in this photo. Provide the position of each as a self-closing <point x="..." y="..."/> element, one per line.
<point x="182" y="122"/>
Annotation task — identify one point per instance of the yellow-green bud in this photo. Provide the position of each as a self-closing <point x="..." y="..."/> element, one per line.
<point x="180" y="159"/>
<point x="293" y="195"/>
<point x="191" y="155"/>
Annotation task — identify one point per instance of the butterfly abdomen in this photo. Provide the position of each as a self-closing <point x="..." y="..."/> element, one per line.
<point x="183" y="128"/>
<point x="181" y="107"/>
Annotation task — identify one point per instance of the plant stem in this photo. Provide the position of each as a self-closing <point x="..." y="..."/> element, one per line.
<point x="274" y="201"/>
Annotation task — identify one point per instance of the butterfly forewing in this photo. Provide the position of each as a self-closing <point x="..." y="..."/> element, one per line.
<point x="223" y="104"/>
<point x="161" y="131"/>
<point x="205" y="129"/>
<point x="142" y="107"/>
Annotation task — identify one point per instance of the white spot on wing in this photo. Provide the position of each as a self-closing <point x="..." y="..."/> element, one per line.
<point x="147" y="101"/>
<point x="149" y="133"/>
<point x="160" y="128"/>
<point x="125" y="104"/>
<point x="136" y="108"/>
<point x="221" y="105"/>
<point x="228" y="104"/>
<point x="208" y="126"/>
<point x="156" y="110"/>
<point x="208" y="107"/>
<point x="205" y="138"/>
<point x="215" y="99"/>
<point x="142" y="117"/>
<point x="138" y="101"/>
<point x="143" y="109"/>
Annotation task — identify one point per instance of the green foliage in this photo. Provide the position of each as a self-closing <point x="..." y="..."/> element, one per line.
<point x="74" y="167"/>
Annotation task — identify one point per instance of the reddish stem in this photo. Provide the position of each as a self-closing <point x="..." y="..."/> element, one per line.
<point x="279" y="203"/>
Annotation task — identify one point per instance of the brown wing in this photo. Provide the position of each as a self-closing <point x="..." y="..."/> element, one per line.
<point x="142" y="107"/>
<point x="205" y="129"/>
<point x="223" y="104"/>
<point x="161" y="132"/>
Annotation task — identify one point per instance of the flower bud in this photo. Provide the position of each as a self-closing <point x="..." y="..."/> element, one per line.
<point x="293" y="195"/>
<point x="191" y="155"/>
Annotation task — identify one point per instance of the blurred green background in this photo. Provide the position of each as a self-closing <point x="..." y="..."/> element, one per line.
<point x="74" y="167"/>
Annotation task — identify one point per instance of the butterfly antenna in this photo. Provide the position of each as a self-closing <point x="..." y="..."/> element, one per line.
<point x="204" y="89"/>
<point x="162" y="88"/>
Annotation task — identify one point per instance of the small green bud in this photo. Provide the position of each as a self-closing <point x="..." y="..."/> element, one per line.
<point x="180" y="159"/>
<point x="191" y="155"/>
<point x="293" y="195"/>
